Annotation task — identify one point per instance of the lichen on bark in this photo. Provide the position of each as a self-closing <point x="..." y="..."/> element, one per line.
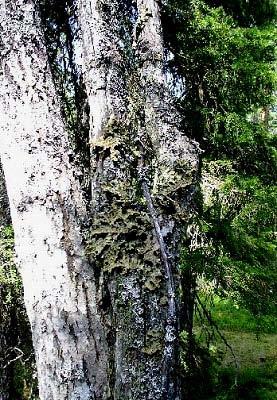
<point x="107" y="328"/>
<point x="143" y="170"/>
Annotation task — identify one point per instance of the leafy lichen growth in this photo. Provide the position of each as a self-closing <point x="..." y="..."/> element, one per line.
<point x="122" y="240"/>
<point x="154" y="281"/>
<point x="154" y="342"/>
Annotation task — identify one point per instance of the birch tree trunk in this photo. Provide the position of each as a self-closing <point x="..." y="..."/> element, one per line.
<point x="143" y="179"/>
<point x="47" y="209"/>
<point x="110" y="331"/>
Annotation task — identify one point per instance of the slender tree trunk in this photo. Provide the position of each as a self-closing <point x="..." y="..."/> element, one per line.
<point x="46" y="208"/>
<point x="143" y="168"/>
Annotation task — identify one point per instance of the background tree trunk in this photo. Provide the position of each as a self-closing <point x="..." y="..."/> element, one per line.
<point x="46" y="208"/>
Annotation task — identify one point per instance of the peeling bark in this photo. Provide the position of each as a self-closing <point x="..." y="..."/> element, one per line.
<point x="46" y="208"/>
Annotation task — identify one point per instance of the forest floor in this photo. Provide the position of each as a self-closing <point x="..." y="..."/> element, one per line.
<point x="254" y="378"/>
<point x="249" y="371"/>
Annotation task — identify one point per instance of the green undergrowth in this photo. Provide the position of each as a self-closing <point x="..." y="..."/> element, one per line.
<point x="246" y="368"/>
<point x="252" y="376"/>
<point x="230" y="316"/>
<point x="249" y="383"/>
<point x="16" y="355"/>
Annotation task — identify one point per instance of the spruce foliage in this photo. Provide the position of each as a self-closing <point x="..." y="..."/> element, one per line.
<point x="224" y="56"/>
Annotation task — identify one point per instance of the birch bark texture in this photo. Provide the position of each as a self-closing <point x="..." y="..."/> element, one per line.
<point x="119" y="246"/>
<point x="47" y="210"/>
<point x="142" y="167"/>
<point x="107" y="332"/>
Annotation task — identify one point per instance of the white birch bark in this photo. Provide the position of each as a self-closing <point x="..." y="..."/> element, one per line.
<point x="104" y="77"/>
<point x="46" y="208"/>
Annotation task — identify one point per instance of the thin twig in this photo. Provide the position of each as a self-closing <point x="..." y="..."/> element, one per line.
<point x="20" y="355"/>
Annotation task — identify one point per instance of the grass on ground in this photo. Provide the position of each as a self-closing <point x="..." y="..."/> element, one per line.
<point x="253" y="375"/>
